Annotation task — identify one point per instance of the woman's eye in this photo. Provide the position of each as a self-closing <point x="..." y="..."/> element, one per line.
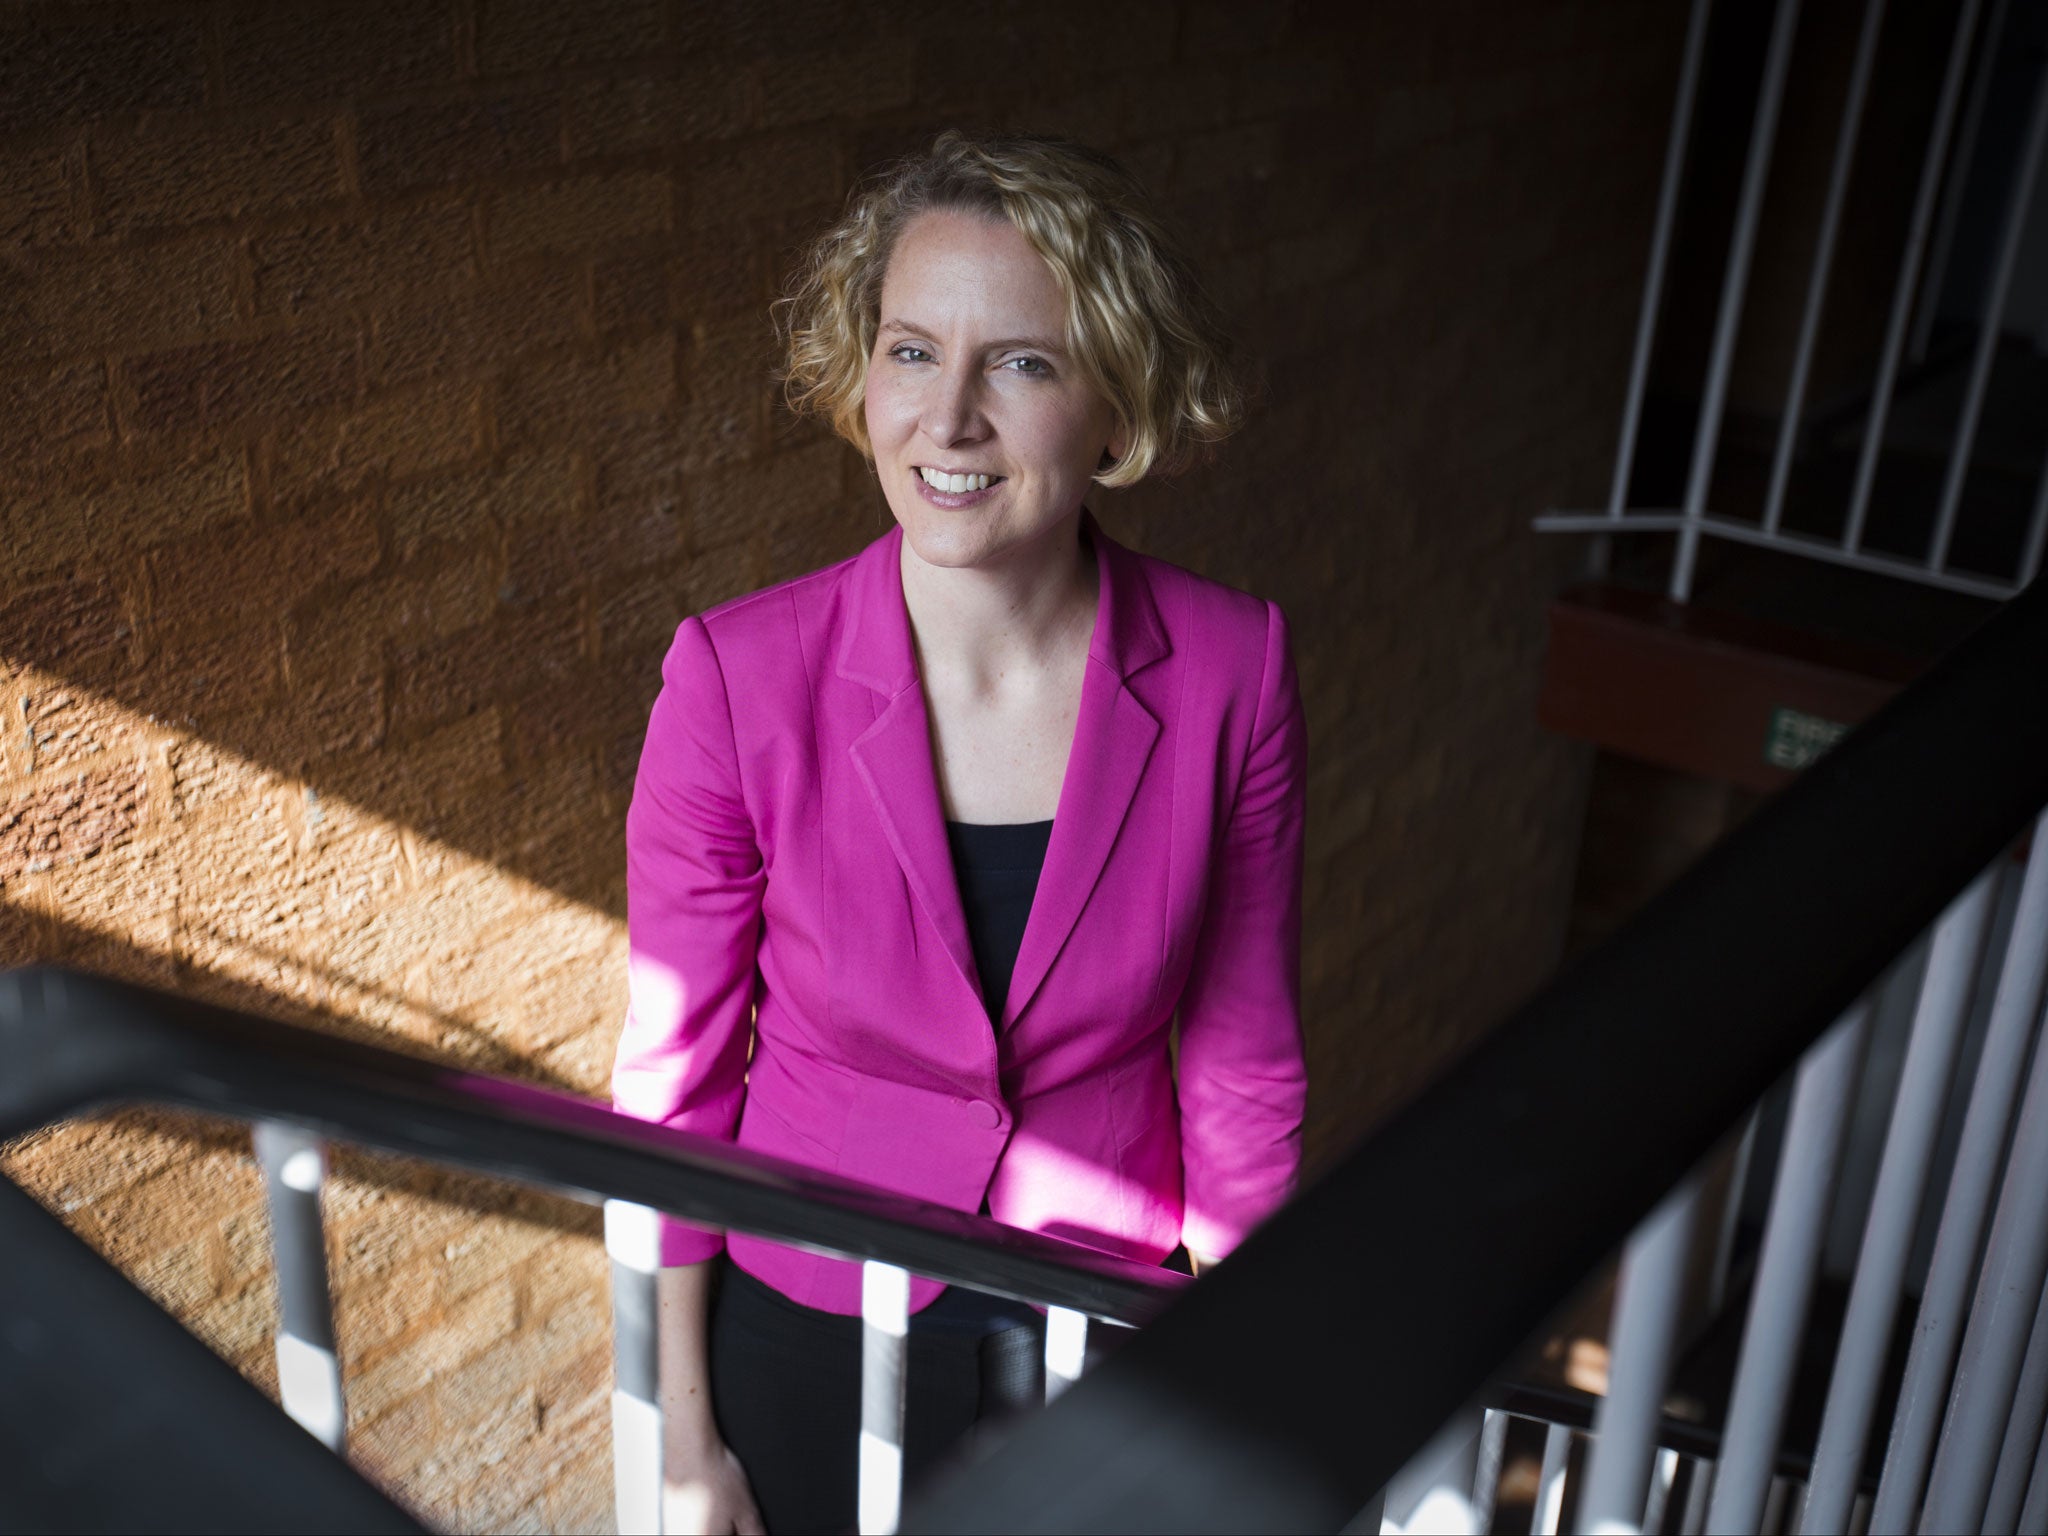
<point x="1028" y="365"/>
<point x="910" y="354"/>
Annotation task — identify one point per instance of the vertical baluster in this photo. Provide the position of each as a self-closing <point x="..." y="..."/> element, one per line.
<point x="2033" y="1519"/>
<point x="1557" y="1455"/>
<point x="1431" y="1492"/>
<point x="885" y="1332"/>
<point x="1734" y="283"/>
<point x="2001" y="1319"/>
<point x="632" y="1241"/>
<point x="1938" y="1327"/>
<point x="1956" y="183"/>
<point x="2023" y="1428"/>
<point x="294" y="1164"/>
<point x="1066" y="1349"/>
<point x="1777" y="1506"/>
<point x="1909" y="269"/>
<point x="1661" y="1479"/>
<point x="1692" y="1520"/>
<point x="1660" y="254"/>
<point x="1895" y="1206"/>
<point x="1645" y="1332"/>
<point x="1793" y="1236"/>
<point x="1823" y="261"/>
<point x="1994" y="315"/>
<point x="1731" y="1213"/>
<point x="1493" y="1448"/>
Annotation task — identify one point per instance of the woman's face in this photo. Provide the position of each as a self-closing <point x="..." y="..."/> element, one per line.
<point x="971" y="377"/>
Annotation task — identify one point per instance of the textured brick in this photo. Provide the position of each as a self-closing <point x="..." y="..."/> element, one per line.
<point x="48" y="408"/>
<point x="702" y="99"/>
<point x="803" y="87"/>
<point x="450" y="677"/>
<point x="215" y="672"/>
<point x="528" y="36"/>
<point x="529" y="309"/>
<point x="67" y="300"/>
<point x="70" y="626"/>
<point x="569" y="215"/>
<point x="476" y="506"/>
<point x="633" y="293"/>
<point x="275" y="52"/>
<point x="40" y="188"/>
<point x="419" y="605"/>
<point x="227" y="382"/>
<point x="419" y="250"/>
<point x="70" y="68"/>
<point x="242" y="1329"/>
<point x="285" y="558"/>
<point x="63" y="821"/>
<point x="403" y="432"/>
<point x="65" y="726"/>
<point x="472" y="1327"/>
<point x="419" y="144"/>
<point x="729" y="366"/>
<point x="164" y="176"/>
<point x="557" y="399"/>
<point x="80" y="519"/>
<point x="763" y="178"/>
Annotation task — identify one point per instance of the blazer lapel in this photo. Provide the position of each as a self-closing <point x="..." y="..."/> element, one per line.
<point x="894" y="755"/>
<point x="1113" y="740"/>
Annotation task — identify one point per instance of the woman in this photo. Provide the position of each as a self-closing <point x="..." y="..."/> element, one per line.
<point x="962" y="825"/>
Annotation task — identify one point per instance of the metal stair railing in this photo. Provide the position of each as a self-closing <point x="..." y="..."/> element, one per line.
<point x="70" y="1044"/>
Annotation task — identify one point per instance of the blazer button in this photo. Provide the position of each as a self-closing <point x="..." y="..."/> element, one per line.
<point x="991" y="1114"/>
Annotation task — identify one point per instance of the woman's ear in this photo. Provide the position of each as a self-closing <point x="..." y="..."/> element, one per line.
<point x="1119" y="445"/>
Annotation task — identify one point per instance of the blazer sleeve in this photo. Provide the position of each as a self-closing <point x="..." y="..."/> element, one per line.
<point x="1242" y="1081"/>
<point x="694" y="880"/>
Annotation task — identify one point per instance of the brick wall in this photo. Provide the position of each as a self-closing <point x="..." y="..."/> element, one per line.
<point x="381" y="381"/>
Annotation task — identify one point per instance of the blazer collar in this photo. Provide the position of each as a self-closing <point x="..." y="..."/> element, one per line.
<point x="1113" y="739"/>
<point x="875" y="646"/>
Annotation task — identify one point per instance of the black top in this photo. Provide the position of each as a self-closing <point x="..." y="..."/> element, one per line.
<point x="997" y="870"/>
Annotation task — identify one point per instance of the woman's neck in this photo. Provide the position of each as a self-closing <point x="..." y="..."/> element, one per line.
<point x="976" y="626"/>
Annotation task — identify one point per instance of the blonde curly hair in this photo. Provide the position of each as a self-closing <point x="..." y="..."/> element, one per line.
<point x="1139" y="325"/>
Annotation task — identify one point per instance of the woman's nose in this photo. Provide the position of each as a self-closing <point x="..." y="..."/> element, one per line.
<point x="952" y="408"/>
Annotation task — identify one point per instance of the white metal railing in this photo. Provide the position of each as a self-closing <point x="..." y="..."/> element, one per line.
<point x="631" y="1237"/>
<point x="1966" y="1448"/>
<point x="295" y="1167"/>
<point x="1936" y="209"/>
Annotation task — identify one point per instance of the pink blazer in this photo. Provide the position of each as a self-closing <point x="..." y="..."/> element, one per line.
<point x="787" y="866"/>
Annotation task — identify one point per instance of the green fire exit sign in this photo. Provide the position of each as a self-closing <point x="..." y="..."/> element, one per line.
<point x="1797" y="738"/>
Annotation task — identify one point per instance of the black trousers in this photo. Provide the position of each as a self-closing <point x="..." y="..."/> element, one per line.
<point x="785" y="1383"/>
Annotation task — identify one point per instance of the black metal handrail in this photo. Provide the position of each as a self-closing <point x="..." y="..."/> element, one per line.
<point x="71" y="1043"/>
<point x="114" y="1418"/>
<point x="1286" y="1389"/>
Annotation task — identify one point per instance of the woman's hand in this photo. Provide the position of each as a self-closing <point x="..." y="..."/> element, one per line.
<point x="704" y="1492"/>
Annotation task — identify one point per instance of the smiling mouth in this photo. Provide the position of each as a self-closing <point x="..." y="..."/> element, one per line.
<point x="956" y="485"/>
